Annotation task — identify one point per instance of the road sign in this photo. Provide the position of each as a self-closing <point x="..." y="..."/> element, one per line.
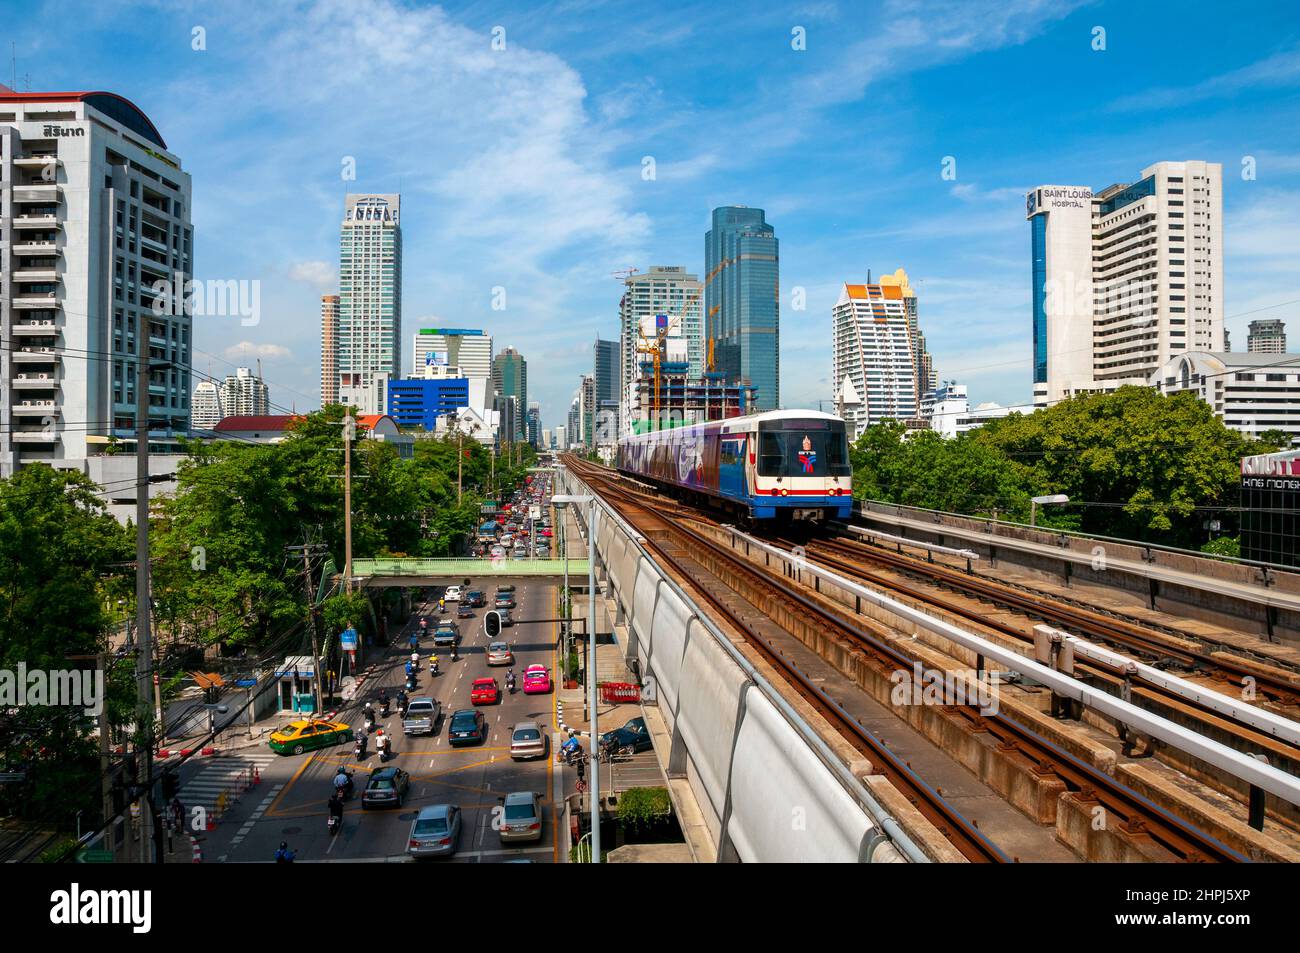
<point x="94" y="856"/>
<point x="348" y="639"/>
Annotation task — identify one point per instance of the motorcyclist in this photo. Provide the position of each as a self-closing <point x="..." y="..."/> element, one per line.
<point x="402" y="701"/>
<point x="433" y="665"/>
<point x="361" y="742"/>
<point x="510" y="681"/>
<point x="415" y="640"/>
<point x="336" y="805"/>
<point x="284" y="855"/>
<point x="382" y="743"/>
<point x="571" y="747"/>
<point x="342" y="781"/>
<point x="453" y="651"/>
<point x="415" y="659"/>
<point x="410" y="669"/>
<point x="383" y="701"/>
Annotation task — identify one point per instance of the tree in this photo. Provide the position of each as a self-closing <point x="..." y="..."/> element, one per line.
<point x="59" y="550"/>
<point x="1136" y="463"/>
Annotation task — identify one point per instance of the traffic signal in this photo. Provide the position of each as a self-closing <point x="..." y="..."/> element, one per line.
<point x="492" y="623"/>
<point x="169" y="785"/>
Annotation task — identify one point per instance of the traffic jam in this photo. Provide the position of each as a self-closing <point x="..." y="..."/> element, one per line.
<point x="445" y="749"/>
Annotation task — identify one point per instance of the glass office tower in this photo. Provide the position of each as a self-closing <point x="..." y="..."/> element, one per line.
<point x="741" y="298"/>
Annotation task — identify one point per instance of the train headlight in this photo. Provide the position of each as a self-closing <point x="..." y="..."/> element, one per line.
<point x="784" y="491"/>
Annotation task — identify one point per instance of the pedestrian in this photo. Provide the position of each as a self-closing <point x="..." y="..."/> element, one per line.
<point x="178" y="814"/>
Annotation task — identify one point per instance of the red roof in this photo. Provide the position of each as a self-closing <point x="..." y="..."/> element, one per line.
<point x="279" y="422"/>
<point x="111" y="104"/>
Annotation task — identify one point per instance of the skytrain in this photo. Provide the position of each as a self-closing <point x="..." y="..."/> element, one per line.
<point x="783" y="464"/>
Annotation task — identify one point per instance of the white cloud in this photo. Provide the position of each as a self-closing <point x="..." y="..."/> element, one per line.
<point x="318" y="273"/>
<point x="1278" y="70"/>
<point x="247" y="350"/>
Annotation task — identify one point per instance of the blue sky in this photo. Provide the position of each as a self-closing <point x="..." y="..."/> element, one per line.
<point x="522" y="168"/>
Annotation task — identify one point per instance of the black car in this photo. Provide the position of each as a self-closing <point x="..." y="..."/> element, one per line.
<point x="387" y="787"/>
<point x="475" y="598"/>
<point x="467" y="727"/>
<point x="465" y="611"/>
<point x="634" y="735"/>
<point x="504" y="600"/>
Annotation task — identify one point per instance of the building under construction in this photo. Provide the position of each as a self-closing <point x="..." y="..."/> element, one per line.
<point x="682" y="399"/>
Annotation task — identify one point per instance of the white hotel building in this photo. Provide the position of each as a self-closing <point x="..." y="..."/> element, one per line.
<point x="1125" y="279"/>
<point x="875" y="357"/>
<point x="94" y="210"/>
<point x="370" y="301"/>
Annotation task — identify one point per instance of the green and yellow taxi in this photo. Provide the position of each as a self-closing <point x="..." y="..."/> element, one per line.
<point x="299" y="736"/>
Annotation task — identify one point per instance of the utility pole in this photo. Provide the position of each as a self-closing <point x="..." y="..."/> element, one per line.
<point x="460" y="462"/>
<point x="144" y="673"/>
<point x="349" y="433"/>
<point x="308" y="549"/>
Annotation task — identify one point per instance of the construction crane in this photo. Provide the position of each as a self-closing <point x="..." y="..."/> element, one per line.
<point x="623" y="274"/>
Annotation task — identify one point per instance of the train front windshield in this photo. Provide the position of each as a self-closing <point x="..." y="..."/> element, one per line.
<point x="803" y="448"/>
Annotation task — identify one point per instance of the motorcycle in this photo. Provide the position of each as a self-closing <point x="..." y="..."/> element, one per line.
<point x="359" y="749"/>
<point x="370" y="722"/>
<point x="385" y="749"/>
<point x="333" y="824"/>
<point x="385" y="711"/>
<point x="433" y="667"/>
<point x="345" y="790"/>
<point x="510" y="684"/>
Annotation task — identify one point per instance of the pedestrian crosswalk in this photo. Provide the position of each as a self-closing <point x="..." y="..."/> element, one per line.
<point x="222" y="774"/>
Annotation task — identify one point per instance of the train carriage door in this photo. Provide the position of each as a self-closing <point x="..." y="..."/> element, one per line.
<point x="731" y="466"/>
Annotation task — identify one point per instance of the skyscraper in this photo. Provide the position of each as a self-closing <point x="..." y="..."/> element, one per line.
<point x="458" y="352"/>
<point x="876" y="354"/>
<point x="97" y="243"/>
<point x="510" y="378"/>
<point x="244" y="394"/>
<point x="370" y="300"/>
<point x="1266" y="337"/>
<point x="329" y="350"/>
<point x="205" y="407"/>
<point x="1126" y="278"/>
<point x="742" y="300"/>
<point x="533" y="420"/>
<point x="672" y="292"/>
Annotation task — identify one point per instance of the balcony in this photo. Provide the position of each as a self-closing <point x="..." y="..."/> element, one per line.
<point x="35" y="274"/>
<point x="41" y="248"/>
<point x="36" y="162"/>
<point x="48" y="301"/>
<point x="36" y="354"/>
<point x="42" y="193"/>
<point x="39" y="381"/>
<point x="34" y="436"/>
<point x="44" y="328"/>
<point x="21" y="222"/>
<point x="35" y="408"/>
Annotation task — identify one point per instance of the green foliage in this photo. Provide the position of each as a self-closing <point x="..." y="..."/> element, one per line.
<point x="56" y="545"/>
<point x="643" y="808"/>
<point x="1136" y="464"/>
<point x="1223" y="546"/>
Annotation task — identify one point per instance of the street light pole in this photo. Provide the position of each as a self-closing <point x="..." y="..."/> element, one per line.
<point x="591" y="664"/>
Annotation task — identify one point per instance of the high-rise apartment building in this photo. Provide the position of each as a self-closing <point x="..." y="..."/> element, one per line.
<point x="245" y="394"/>
<point x="205" y="407"/>
<point x="510" y="379"/>
<point x="1266" y="337"/>
<point x="329" y="350"/>
<point x="467" y="349"/>
<point x="679" y="297"/>
<point x="533" y="420"/>
<point x="1125" y="278"/>
<point x="877" y="354"/>
<point x="95" y="252"/>
<point x="370" y="300"/>
<point x="742" y="300"/>
<point x="573" y="430"/>
<point x="587" y="411"/>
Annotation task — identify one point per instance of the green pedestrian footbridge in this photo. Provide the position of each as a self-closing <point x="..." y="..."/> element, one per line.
<point x="375" y="573"/>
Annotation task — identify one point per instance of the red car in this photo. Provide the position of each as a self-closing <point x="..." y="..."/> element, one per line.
<point x="484" y="691"/>
<point x="537" y="680"/>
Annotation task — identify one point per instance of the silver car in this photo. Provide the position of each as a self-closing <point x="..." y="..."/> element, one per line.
<point x="499" y="653"/>
<point x="522" y="818"/>
<point x="527" y="741"/>
<point x="435" y="832"/>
